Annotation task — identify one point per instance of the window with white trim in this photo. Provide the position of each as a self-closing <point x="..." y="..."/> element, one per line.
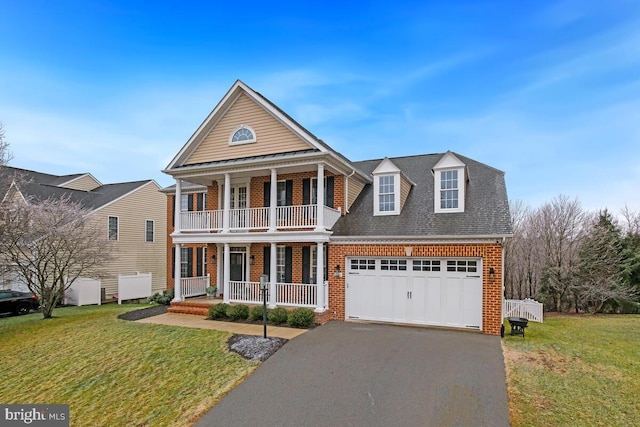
<point x="113" y="228"/>
<point x="184" y="202"/>
<point x="426" y="265"/>
<point x="243" y="134"/>
<point x="363" y="264"/>
<point x="462" y="266"/>
<point x="386" y="193"/>
<point x="393" y="264"/>
<point x="449" y="189"/>
<point x="149" y="229"/>
<point x="184" y="262"/>
<point x="281" y="191"/>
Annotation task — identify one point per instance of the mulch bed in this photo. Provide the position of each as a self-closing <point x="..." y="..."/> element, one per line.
<point x="143" y="313"/>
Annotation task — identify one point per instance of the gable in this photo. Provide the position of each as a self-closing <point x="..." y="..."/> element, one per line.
<point x="85" y="183"/>
<point x="272" y="136"/>
<point x="385" y="166"/>
<point x="448" y="160"/>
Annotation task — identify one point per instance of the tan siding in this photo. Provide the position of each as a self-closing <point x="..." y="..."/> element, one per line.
<point x="405" y="187"/>
<point x="272" y="135"/>
<point x="355" y="187"/>
<point x="132" y="253"/>
<point x="84" y="183"/>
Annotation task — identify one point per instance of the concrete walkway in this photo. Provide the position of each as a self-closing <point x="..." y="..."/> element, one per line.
<point x="192" y="321"/>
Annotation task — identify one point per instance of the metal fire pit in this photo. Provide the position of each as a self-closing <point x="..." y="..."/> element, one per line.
<point x="517" y="325"/>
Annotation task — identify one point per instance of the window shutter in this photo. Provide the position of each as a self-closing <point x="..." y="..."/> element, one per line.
<point x="288" y="263"/>
<point x="306" y="264"/>
<point x="289" y="197"/>
<point x="328" y="192"/>
<point x="198" y="261"/>
<point x="306" y="192"/>
<point x="267" y="194"/>
<point x="266" y="268"/>
<point x="173" y="210"/>
<point x="173" y="262"/>
<point x="190" y="203"/>
<point x="190" y="262"/>
<point x="200" y="201"/>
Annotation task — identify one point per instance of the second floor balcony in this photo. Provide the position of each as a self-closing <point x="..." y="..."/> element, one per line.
<point x="254" y="219"/>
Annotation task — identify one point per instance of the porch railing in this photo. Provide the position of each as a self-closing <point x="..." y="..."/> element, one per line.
<point x="201" y="220"/>
<point x="303" y="216"/>
<point x="194" y="286"/>
<point x="527" y="308"/>
<point x="287" y="294"/>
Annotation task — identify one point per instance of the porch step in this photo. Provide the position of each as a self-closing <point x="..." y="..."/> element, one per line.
<point x="190" y="307"/>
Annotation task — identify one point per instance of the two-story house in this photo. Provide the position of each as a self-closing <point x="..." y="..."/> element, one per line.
<point x="416" y="240"/>
<point x="130" y="213"/>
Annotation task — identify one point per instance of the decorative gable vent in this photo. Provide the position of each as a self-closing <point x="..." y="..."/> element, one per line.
<point x="243" y="134"/>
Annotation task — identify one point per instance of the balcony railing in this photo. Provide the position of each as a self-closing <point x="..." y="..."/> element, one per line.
<point x="194" y="286"/>
<point x="287" y="217"/>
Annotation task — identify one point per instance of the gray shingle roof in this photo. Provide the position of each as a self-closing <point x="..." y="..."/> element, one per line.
<point x="42" y="186"/>
<point x="486" y="204"/>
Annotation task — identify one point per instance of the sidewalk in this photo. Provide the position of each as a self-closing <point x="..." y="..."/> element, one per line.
<point x="192" y="321"/>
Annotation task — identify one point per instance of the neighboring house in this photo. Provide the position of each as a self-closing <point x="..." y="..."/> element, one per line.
<point x="130" y="213"/>
<point x="415" y="239"/>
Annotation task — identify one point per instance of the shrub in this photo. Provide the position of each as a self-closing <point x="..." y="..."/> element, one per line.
<point x="218" y="311"/>
<point x="163" y="298"/>
<point x="256" y="313"/>
<point x="301" y="318"/>
<point x="278" y="315"/>
<point x="238" y="312"/>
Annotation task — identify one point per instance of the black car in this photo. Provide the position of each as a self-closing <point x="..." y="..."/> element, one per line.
<point x="17" y="302"/>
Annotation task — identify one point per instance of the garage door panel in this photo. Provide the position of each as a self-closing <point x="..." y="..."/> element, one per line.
<point x="402" y="291"/>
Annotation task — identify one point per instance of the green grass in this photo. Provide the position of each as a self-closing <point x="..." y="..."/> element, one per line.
<point x="575" y="371"/>
<point x="113" y="372"/>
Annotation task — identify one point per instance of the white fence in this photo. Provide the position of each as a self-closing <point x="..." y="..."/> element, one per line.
<point x="194" y="286"/>
<point x="527" y="308"/>
<point x="83" y="291"/>
<point x="134" y="286"/>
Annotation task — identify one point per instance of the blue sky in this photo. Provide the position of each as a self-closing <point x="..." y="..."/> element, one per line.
<point x="547" y="91"/>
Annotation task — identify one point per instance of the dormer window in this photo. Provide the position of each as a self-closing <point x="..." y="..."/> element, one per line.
<point x="449" y="189"/>
<point x="449" y="184"/>
<point x="387" y="189"/>
<point x="386" y="193"/>
<point x="243" y="134"/>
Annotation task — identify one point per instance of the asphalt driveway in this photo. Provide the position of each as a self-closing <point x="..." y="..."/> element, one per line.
<point x="355" y="374"/>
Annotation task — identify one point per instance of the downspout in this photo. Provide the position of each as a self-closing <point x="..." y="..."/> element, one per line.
<point x="346" y="191"/>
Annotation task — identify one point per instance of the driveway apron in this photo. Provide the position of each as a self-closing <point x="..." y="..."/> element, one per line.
<point x="358" y="374"/>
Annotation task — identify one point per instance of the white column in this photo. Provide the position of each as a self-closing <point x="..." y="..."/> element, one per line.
<point x="219" y="276"/>
<point x="274" y="200"/>
<point x="177" y="288"/>
<point x="227" y="203"/>
<point x="320" y="198"/>
<point x="320" y="278"/>
<point x="273" y="279"/>
<point x="226" y="271"/>
<point x="177" y="205"/>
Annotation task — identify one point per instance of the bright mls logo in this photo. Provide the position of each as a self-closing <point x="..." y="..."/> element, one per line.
<point x="37" y="415"/>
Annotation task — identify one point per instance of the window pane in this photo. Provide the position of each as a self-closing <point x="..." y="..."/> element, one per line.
<point x="184" y="262"/>
<point x="149" y="231"/>
<point x="280" y="264"/>
<point x="282" y="193"/>
<point x="113" y="228"/>
<point x="184" y="202"/>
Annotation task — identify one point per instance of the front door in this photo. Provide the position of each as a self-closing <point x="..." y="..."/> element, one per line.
<point x="237" y="270"/>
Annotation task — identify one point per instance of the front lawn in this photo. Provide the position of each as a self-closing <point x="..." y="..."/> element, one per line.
<point x="575" y="371"/>
<point x="113" y="372"/>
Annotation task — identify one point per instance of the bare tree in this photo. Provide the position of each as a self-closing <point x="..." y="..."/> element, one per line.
<point x="560" y="224"/>
<point x="50" y="244"/>
<point x="522" y="260"/>
<point x="5" y="153"/>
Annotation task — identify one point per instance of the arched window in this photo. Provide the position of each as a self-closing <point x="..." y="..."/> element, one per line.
<point x="242" y="135"/>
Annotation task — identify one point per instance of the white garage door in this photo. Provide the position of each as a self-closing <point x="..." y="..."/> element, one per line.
<point x="442" y="292"/>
